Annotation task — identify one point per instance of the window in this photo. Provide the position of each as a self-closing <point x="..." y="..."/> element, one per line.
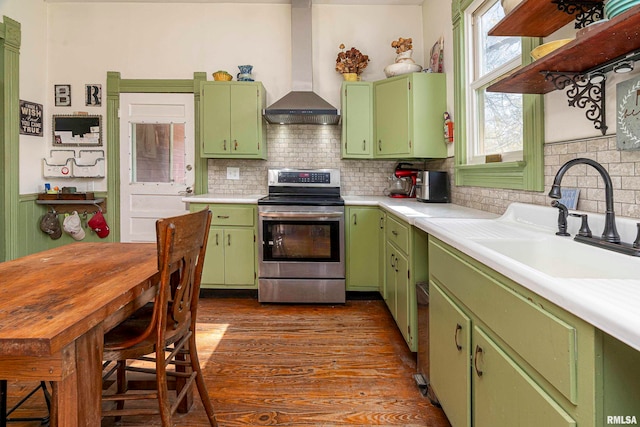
<point x="158" y="151"/>
<point x="508" y="124"/>
<point x="496" y="118"/>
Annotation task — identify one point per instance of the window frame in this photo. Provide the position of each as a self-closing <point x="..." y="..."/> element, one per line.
<point x="526" y="174"/>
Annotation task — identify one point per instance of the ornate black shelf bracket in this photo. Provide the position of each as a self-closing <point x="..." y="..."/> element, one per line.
<point x="584" y="91"/>
<point x="586" y="11"/>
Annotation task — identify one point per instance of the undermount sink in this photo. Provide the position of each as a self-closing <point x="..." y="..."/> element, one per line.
<point x="525" y="235"/>
<point x="563" y="258"/>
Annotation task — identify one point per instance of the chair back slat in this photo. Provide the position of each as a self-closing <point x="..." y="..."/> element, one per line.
<point x="182" y="242"/>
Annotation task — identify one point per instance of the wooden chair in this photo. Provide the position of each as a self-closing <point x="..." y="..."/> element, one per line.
<point x="167" y="327"/>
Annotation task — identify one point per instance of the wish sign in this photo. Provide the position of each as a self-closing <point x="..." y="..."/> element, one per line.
<point x="628" y="114"/>
<point x="30" y="118"/>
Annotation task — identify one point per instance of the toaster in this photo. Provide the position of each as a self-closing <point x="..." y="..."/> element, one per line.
<point x="432" y="187"/>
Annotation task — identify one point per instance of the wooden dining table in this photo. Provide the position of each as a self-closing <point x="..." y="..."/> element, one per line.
<point x="56" y="305"/>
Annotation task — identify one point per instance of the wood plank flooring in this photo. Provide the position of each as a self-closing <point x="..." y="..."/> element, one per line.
<point x="299" y="365"/>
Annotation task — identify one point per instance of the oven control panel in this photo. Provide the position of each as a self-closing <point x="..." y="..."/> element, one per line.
<point x="304" y="177"/>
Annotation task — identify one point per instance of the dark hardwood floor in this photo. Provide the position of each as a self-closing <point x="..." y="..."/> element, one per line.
<point x="298" y="365"/>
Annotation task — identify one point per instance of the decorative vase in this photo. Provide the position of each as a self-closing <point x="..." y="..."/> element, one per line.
<point x="351" y="77"/>
<point x="405" y="57"/>
<point x="245" y="73"/>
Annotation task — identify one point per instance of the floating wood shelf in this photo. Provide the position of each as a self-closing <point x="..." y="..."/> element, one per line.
<point x="594" y="47"/>
<point x="533" y="18"/>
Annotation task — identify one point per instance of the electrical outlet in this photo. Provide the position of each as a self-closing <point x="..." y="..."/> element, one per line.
<point x="233" y="173"/>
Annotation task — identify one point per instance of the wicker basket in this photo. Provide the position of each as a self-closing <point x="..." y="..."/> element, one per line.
<point x="222" y="76"/>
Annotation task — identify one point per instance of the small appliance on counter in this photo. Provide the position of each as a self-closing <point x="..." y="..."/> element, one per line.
<point x="432" y="187"/>
<point x="402" y="183"/>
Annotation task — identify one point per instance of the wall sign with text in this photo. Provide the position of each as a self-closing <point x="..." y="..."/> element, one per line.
<point x="30" y="118"/>
<point x="628" y="114"/>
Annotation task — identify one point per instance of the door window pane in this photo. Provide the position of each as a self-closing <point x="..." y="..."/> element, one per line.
<point x="158" y="152"/>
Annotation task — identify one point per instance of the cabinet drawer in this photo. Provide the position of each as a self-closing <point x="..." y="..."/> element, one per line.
<point x="233" y="215"/>
<point x="398" y="233"/>
<point x="544" y="341"/>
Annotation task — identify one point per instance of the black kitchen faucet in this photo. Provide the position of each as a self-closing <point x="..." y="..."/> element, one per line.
<point x="610" y="238"/>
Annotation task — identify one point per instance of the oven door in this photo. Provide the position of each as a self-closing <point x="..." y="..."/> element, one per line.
<point x="301" y="242"/>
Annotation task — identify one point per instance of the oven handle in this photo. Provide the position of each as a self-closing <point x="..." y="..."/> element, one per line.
<point x="302" y="215"/>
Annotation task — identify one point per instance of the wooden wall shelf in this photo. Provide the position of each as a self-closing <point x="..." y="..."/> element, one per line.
<point x="80" y="206"/>
<point x="533" y="18"/>
<point x="594" y="46"/>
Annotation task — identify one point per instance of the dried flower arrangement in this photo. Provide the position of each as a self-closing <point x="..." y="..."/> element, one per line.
<point x="402" y="45"/>
<point x="351" y="61"/>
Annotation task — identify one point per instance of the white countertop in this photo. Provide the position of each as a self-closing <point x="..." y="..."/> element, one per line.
<point x="600" y="286"/>
<point x="612" y="304"/>
<point x="410" y="209"/>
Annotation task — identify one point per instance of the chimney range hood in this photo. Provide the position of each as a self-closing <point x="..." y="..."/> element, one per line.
<point x="301" y="105"/>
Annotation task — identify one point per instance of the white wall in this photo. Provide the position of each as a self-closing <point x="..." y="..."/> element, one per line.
<point x="144" y="40"/>
<point x="33" y="83"/>
<point x="165" y="40"/>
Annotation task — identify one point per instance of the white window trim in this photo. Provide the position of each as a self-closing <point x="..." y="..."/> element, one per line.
<point x="473" y="84"/>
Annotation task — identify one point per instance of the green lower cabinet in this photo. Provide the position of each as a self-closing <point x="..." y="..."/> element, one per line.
<point x="530" y="362"/>
<point x="450" y="348"/>
<point x="405" y="254"/>
<point x="231" y="257"/>
<point x="503" y="393"/>
<point x="362" y="248"/>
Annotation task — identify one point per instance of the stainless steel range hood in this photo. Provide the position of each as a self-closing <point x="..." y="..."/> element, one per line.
<point x="301" y="105"/>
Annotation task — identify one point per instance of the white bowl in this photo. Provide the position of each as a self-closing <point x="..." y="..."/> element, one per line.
<point x="400" y="68"/>
<point x="508" y="5"/>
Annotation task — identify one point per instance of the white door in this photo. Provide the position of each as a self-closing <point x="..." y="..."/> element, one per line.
<point x="157" y="143"/>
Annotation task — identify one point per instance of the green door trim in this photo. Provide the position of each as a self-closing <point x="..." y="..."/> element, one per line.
<point x="117" y="85"/>
<point x="10" y="40"/>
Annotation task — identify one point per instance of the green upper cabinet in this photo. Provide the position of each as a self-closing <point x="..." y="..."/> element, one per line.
<point x="409" y="116"/>
<point x="357" y="120"/>
<point x="232" y="123"/>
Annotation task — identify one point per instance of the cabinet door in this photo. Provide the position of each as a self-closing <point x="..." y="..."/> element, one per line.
<point x="239" y="256"/>
<point x="216" y="116"/>
<point x="357" y="126"/>
<point x="362" y="249"/>
<point x="403" y="312"/>
<point x="391" y="256"/>
<point x="392" y="118"/>
<point x="244" y="119"/>
<point x="382" y="267"/>
<point x="213" y="269"/>
<point x="449" y="350"/>
<point x="504" y="395"/>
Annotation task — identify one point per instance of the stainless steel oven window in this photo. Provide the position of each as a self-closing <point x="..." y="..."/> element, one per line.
<point x="311" y="241"/>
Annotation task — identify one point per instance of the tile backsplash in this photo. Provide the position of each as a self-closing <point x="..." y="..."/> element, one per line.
<point x="301" y="146"/>
<point x="313" y="146"/>
<point x="623" y="167"/>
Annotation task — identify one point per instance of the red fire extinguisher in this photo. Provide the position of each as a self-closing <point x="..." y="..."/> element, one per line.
<point x="448" y="128"/>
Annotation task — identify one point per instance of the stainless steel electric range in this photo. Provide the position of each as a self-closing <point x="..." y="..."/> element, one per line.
<point x="301" y="238"/>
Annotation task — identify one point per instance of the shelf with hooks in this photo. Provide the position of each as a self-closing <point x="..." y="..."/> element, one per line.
<point x="81" y="206"/>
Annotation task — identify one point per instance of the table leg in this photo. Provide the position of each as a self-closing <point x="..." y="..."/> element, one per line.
<point x="77" y="397"/>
